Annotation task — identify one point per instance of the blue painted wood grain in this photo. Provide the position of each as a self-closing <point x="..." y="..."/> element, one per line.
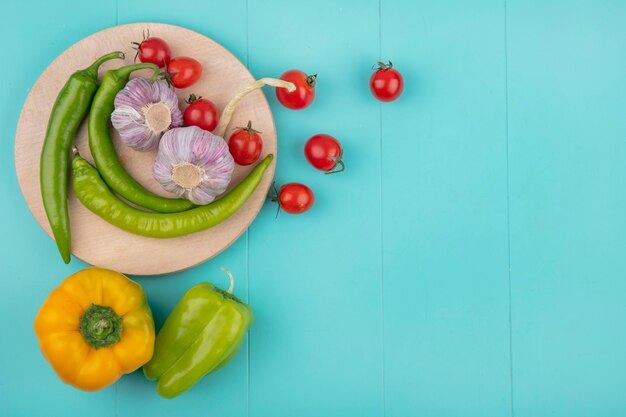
<point x="315" y="279"/>
<point x="445" y="252"/>
<point x="469" y="262"/>
<point x="567" y="131"/>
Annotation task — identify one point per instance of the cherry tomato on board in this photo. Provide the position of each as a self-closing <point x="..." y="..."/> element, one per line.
<point x="245" y="145"/>
<point x="294" y="198"/>
<point x="386" y="82"/>
<point x="183" y="72"/>
<point x="304" y="93"/>
<point x="152" y="50"/>
<point x="201" y="112"/>
<point x="324" y="152"/>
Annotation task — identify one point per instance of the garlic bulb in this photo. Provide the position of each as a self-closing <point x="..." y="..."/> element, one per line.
<point x="194" y="164"/>
<point x="143" y="111"/>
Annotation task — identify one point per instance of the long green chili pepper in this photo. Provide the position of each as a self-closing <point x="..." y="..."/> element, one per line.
<point x="92" y="191"/>
<point x="103" y="151"/>
<point x="69" y="110"/>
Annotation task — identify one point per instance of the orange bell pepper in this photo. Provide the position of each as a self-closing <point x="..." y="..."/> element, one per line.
<point x="95" y="327"/>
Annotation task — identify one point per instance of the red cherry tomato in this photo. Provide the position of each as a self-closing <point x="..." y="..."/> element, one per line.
<point x="295" y="198"/>
<point x="324" y="153"/>
<point x="304" y="93"/>
<point x="153" y="50"/>
<point x="386" y="82"/>
<point x="245" y="145"/>
<point x="201" y="112"/>
<point x="183" y="71"/>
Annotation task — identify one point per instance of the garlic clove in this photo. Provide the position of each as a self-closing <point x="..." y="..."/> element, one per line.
<point x="131" y="126"/>
<point x="205" y="192"/>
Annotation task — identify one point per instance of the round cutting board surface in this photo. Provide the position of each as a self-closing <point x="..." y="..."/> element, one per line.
<point x="96" y="241"/>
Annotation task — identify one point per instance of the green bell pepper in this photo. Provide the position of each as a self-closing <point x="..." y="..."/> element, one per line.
<point x="204" y="331"/>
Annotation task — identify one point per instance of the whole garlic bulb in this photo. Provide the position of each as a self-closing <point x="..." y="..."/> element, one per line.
<point x="194" y="164"/>
<point x="143" y="111"/>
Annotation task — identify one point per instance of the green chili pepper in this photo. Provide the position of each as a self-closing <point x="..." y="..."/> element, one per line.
<point x="69" y="110"/>
<point x="204" y="331"/>
<point x="103" y="151"/>
<point x="97" y="197"/>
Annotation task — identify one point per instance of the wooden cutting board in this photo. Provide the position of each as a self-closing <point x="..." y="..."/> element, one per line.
<point x="96" y="241"/>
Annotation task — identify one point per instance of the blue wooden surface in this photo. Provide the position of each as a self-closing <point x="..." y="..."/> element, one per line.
<point x="470" y="262"/>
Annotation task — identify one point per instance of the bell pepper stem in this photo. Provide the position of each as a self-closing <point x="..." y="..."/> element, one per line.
<point x="232" y="280"/>
<point x="100" y="326"/>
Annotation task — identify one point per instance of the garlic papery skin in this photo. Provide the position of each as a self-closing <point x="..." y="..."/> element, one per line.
<point x="194" y="164"/>
<point x="143" y="111"/>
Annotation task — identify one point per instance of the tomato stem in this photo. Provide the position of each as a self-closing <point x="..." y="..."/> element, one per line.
<point x="192" y="98"/>
<point x="339" y="163"/>
<point x="274" y="198"/>
<point x="248" y="128"/>
<point x="311" y="80"/>
<point x="167" y="76"/>
<point x="380" y="65"/>
<point x="137" y="45"/>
